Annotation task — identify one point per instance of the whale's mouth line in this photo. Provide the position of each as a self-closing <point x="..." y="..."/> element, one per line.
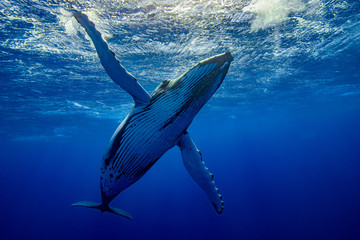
<point x="220" y="59"/>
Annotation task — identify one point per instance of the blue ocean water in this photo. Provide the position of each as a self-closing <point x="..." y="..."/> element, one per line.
<point x="281" y="135"/>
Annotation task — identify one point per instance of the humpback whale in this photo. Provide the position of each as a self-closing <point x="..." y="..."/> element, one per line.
<point x="157" y="123"/>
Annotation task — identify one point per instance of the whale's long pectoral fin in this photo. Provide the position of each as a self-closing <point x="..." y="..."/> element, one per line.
<point x="99" y="206"/>
<point x="199" y="172"/>
<point x="112" y="66"/>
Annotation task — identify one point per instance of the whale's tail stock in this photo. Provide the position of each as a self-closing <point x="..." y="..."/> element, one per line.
<point x="102" y="208"/>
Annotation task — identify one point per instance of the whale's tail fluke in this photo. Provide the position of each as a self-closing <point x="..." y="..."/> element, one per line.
<point x="99" y="206"/>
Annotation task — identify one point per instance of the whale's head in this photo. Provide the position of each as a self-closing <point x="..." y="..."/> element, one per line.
<point x="196" y="86"/>
<point x="209" y="73"/>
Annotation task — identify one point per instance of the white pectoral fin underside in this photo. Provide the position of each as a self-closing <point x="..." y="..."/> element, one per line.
<point x="199" y="172"/>
<point x="112" y="66"/>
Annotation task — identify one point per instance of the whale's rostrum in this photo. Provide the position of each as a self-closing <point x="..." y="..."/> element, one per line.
<point x="157" y="123"/>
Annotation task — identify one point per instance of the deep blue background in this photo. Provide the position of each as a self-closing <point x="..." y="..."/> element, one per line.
<point x="289" y="175"/>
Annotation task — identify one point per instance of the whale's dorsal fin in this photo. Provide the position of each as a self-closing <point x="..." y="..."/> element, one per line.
<point x="112" y="66"/>
<point x="199" y="172"/>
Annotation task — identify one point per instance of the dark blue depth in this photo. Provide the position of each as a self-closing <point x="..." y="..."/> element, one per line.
<point x="291" y="175"/>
